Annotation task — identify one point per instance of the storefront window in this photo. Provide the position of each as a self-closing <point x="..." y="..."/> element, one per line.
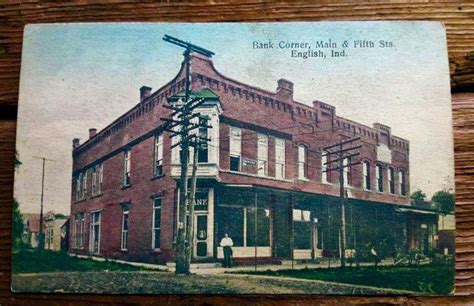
<point x="302" y="229"/>
<point x="263" y="227"/>
<point x="239" y="223"/>
<point x="302" y="235"/>
<point x="231" y="221"/>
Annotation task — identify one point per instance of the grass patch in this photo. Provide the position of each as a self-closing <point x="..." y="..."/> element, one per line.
<point x="430" y="279"/>
<point x="34" y="261"/>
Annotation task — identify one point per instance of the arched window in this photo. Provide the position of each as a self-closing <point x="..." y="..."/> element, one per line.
<point x="379" y="174"/>
<point x="325" y="167"/>
<point x="366" y="173"/>
<point x="391" y="180"/>
<point x="402" y="182"/>
<point x="346" y="162"/>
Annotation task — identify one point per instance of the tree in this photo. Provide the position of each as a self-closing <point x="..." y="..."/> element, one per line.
<point x="418" y="197"/>
<point x="17" y="161"/>
<point x="444" y="200"/>
<point x="17" y="227"/>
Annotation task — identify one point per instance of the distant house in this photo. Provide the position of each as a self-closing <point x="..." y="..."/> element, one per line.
<point x="31" y="229"/>
<point x="53" y="224"/>
<point x="446" y="226"/>
<point x="53" y="228"/>
<point x="431" y="228"/>
<point x="65" y="236"/>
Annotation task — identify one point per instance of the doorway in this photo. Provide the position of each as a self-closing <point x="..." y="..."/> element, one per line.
<point x="201" y="235"/>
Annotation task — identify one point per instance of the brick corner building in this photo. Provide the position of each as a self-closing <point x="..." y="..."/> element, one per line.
<point x="261" y="179"/>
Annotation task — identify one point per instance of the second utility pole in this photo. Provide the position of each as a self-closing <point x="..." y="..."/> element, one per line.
<point x="41" y="230"/>
<point x="343" y="206"/>
<point x="341" y="157"/>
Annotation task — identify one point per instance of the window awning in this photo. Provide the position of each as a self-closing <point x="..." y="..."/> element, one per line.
<point x="418" y="211"/>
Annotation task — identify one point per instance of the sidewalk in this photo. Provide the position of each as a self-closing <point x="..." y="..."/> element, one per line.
<point x="216" y="268"/>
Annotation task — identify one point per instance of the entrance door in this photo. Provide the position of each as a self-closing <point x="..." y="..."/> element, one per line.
<point x="200" y="234"/>
<point x="95" y="233"/>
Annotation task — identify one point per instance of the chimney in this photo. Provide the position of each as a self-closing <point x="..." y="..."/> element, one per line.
<point x="76" y="142"/>
<point x="145" y="92"/>
<point x="92" y="132"/>
<point x="285" y="90"/>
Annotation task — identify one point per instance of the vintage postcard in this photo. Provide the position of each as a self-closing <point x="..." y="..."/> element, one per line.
<point x="243" y="158"/>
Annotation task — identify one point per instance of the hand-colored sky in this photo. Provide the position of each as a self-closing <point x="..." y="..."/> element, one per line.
<point x="77" y="76"/>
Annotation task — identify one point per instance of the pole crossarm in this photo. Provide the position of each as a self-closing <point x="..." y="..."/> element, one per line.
<point x="340" y="143"/>
<point x="171" y="107"/>
<point x="337" y="168"/>
<point x="186" y="45"/>
<point x="187" y="108"/>
<point x="338" y="152"/>
<point x="47" y="159"/>
<point x="343" y="157"/>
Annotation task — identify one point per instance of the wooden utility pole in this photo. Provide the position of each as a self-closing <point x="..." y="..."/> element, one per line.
<point x="342" y="154"/>
<point x="192" y="203"/>
<point x="180" y="125"/>
<point x="41" y="230"/>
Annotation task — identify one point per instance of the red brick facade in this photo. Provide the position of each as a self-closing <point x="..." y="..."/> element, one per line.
<point x="254" y="110"/>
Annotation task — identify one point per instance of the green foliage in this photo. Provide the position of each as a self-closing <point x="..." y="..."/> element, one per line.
<point x="17" y="229"/>
<point x="431" y="279"/>
<point x="17" y="160"/>
<point x="418" y="197"/>
<point x="444" y="200"/>
<point x="17" y="225"/>
<point x="35" y="261"/>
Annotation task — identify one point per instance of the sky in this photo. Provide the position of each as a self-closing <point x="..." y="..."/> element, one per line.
<point x="78" y="76"/>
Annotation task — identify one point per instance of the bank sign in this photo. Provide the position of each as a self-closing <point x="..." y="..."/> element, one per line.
<point x="202" y="201"/>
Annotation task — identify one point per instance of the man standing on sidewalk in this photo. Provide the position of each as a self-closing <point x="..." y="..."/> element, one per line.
<point x="226" y="244"/>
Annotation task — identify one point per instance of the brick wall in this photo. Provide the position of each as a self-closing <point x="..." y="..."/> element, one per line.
<point x="256" y="111"/>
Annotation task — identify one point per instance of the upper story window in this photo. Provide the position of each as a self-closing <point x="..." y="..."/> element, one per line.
<point x="78" y="187"/>
<point x="347" y="174"/>
<point x="391" y="180"/>
<point x="94" y="181"/>
<point x="97" y="177"/>
<point x="158" y="162"/>
<point x="302" y="161"/>
<point x="402" y="182"/>
<point x="366" y="173"/>
<point x="262" y="154"/>
<point x="379" y="174"/>
<point x="203" y="150"/>
<point x="324" y="167"/>
<point x="84" y="185"/>
<point x="235" y="148"/>
<point x="126" y="168"/>
<point x="101" y="178"/>
<point x="279" y="158"/>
